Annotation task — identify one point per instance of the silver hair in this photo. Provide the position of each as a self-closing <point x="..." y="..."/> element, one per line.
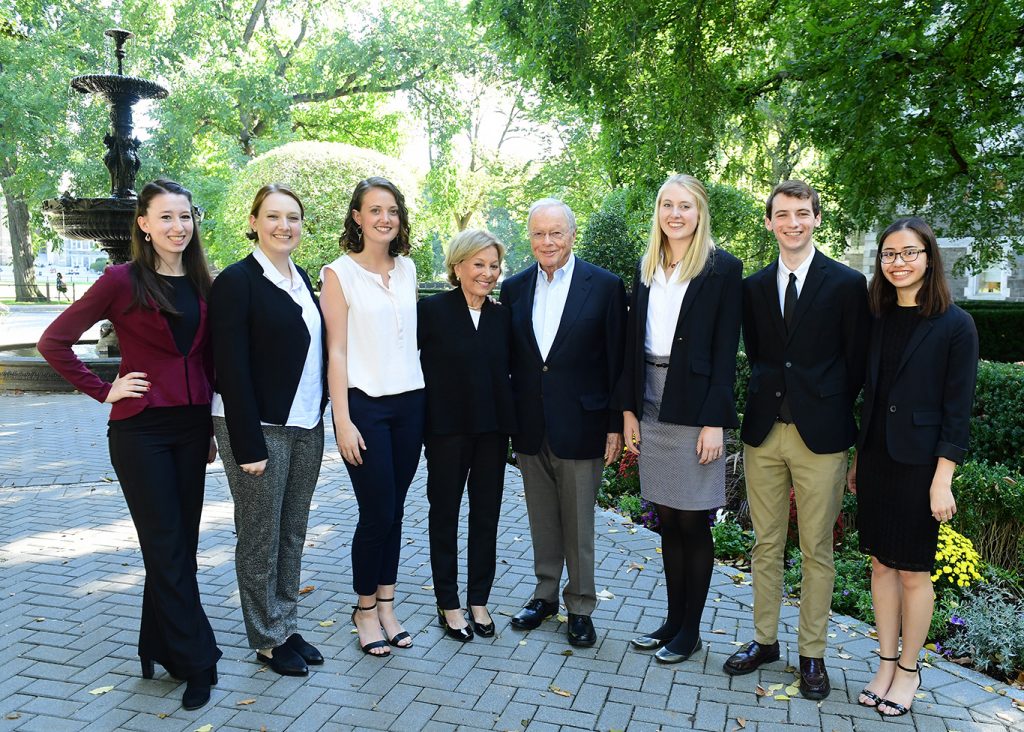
<point x="552" y="203"/>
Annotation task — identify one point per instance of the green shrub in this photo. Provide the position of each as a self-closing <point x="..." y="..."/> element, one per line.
<point x="1000" y="329"/>
<point x="731" y="540"/>
<point x="851" y="594"/>
<point x="990" y="629"/>
<point x="606" y="240"/>
<point x="629" y="505"/>
<point x="323" y="174"/>
<point x="990" y="510"/>
<point x="618" y="479"/>
<point x="997" y="426"/>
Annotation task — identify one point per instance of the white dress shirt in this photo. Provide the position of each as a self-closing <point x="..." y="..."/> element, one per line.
<point x="666" y="298"/>
<point x="382" y="352"/>
<point x="549" y="302"/>
<point x="305" y="409"/>
<point x="782" y="278"/>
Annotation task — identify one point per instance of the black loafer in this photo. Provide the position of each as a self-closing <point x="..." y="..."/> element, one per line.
<point x="284" y="661"/>
<point x="307" y="651"/>
<point x="814" y="683"/>
<point x="581" y="631"/>
<point x="750" y="657"/>
<point x="535" y="613"/>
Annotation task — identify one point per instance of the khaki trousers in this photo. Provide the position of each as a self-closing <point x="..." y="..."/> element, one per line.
<point x="560" y="497"/>
<point x="780" y="462"/>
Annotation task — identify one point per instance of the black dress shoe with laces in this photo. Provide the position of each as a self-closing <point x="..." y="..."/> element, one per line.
<point x="535" y="613"/>
<point x="750" y="657"/>
<point x="581" y="630"/>
<point x="814" y="682"/>
<point x="307" y="651"/>
<point x="284" y="661"/>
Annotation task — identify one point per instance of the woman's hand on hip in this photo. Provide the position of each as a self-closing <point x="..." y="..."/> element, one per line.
<point x="631" y="432"/>
<point x="350" y="442"/>
<point x="255" y="469"/>
<point x="710" y="444"/>
<point x="132" y="385"/>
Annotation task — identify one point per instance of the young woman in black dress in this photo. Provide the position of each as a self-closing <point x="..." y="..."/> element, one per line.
<point x="922" y="365"/>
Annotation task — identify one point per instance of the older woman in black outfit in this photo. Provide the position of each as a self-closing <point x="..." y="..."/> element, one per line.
<point x="464" y="349"/>
<point x="922" y="366"/>
<point x="677" y="392"/>
<point x="268" y="337"/>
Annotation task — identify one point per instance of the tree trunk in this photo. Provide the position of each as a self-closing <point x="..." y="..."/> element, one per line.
<point x="25" y="288"/>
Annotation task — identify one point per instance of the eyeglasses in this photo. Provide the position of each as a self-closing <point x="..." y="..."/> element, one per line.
<point x="556" y="236"/>
<point x="888" y="256"/>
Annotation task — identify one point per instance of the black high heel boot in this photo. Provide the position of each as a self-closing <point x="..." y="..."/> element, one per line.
<point x="147" y="668"/>
<point x="197" y="689"/>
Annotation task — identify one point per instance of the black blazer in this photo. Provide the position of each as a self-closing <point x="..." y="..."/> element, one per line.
<point x="465" y="369"/>
<point x="568" y="397"/>
<point x="259" y="347"/>
<point x="702" y="365"/>
<point x="820" y="365"/>
<point x="929" y="410"/>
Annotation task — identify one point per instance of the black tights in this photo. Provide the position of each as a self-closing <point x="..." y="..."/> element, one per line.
<point x="688" y="553"/>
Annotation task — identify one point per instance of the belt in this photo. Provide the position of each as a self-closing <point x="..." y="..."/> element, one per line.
<point x="654" y="363"/>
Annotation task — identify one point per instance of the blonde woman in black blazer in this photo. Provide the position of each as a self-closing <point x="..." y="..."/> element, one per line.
<point x="464" y="341"/>
<point x="677" y="397"/>
<point x="269" y="356"/>
<point x="922" y="366"/>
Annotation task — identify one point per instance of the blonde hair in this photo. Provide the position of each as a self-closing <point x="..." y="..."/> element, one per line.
<point x="465" y="245"/>
<point x="700" y="249"/>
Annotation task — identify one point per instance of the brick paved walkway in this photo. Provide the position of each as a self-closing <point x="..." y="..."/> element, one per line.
<point x="71" y="575"/>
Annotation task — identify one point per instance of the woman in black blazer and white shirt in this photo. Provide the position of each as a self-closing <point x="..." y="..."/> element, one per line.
<point x="677" y="397"/>
<point x="915" y="423"/>
<point x="464" y="350"/>
<point x="269" y="361"/>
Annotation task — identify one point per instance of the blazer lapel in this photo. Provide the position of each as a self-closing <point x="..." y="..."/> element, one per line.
<point x="524" y="314"/>
<point x="458" y="311"/>
<point x="690" y="297"/>
<point x="815" y="276"/>
<point x="770" y="289"/>
<point x="920" y="333"/>
<point x="875" y="353"/>
<point x="579" y="290"/>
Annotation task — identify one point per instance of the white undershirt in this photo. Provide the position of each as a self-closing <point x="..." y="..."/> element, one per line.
<point x="666" y="298"/>
<point x="782" y="278"/>
<point x="475" y="315"/>
<point x="549" y="302"/>
<point x="382" y="352"/>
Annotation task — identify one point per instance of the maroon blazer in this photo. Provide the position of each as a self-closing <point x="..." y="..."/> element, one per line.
<point x="146" y="342"/>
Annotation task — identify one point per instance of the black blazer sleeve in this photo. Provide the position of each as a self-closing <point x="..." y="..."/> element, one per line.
<point x="719" y="408"/>
<point x="958" y="396"/>
<point x="230" y="307"/>
<point x="615" y="349"/>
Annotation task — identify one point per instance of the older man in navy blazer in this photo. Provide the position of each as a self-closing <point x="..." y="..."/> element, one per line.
<point x="568" y="328"/>
<point x="805" y="326"/>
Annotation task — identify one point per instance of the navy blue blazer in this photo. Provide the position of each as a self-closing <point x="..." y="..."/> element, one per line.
<point x="929" y="409"/>
<point x="567" y="397"/>
<point x="702" y="364"/>
<point x="465" y="368"/>
<point x="819" y="365"/>
<point x="259" y="348"/>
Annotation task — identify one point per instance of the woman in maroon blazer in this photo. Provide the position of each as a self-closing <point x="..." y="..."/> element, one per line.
<point x="159" y="430"/>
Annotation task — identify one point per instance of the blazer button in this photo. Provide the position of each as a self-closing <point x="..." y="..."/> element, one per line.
<point x="778" y="393"/>
<point x="545" y="367"/>
<point x="679" y="339"/>
<point x="892" y="408"/>
<point x="789" y="364"/>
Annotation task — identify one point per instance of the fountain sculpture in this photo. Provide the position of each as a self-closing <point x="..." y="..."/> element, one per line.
<point x="108" y="221"/>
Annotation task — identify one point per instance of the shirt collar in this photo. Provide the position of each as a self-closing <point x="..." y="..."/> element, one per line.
<point x="561" y="274"/>
<point x="271" y="272"/>
<point x="800" y="271"/>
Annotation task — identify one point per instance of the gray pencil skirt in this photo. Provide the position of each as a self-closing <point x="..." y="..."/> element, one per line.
<point x="670" y="470"/>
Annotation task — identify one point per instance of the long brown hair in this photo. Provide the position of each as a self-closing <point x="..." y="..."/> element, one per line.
<point x="934" y="296"/>
<point x="148" y="290"/>
<point x="352" y="237"/>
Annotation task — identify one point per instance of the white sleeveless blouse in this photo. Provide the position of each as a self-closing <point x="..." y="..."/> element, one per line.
<point x="382" y="352"/>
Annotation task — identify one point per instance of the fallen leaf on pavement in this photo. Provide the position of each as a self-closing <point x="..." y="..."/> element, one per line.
<point x="781" y="697"/>
<point x="326" y="623"/>
<point x="101" y="690"/>
<point x="245" y="702"/>
<point x="13" y="715"/>
<point x="634" y="565"/>
<point x="566" y="652"/>
<point x="741" y="722"/>
<point x="792" y="690"/>
<point x="605" y="595"/>
<point x="306" y="590"/>
<point x="760" y="691"/>
<point x="205" y="728"/>
<point x="522" y="643"/>
<point x="658" y="550"/>
<point x="989" y="689"/>
<point x="560" y="692"/>
<point x="1005" y="717"/>
<point x="775" y="687"/>
<point x="562" y="618"/>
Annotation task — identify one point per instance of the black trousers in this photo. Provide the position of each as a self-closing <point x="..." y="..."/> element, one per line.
<point x="160" y="456"/>
<point x="451" y="460"/>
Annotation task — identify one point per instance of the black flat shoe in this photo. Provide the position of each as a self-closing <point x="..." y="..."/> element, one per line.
<point x="307" y="651"/>
<point x="284" y="660"/>
<point x="581" y="631"/>
<point x="535" y="613"/>
<point x="667" y="656"/>
<point x="750" y="657"/>
<point x="649" y="643"/>
<point x="460" y="634"/>
<point x="197" y="689"/>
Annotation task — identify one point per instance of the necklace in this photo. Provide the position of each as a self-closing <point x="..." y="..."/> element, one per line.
<point x="473" y="308"/>
<point x="673" y="264"/>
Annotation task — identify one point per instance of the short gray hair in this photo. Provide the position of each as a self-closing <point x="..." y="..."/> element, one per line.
<point x="465" y="245"/>
<point x="570" y="217"/>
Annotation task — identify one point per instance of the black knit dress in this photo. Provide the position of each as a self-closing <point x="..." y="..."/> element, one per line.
<point x="894" y="518"/>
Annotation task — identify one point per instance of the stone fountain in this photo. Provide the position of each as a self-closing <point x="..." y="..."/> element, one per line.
<point x="107" y="221"/>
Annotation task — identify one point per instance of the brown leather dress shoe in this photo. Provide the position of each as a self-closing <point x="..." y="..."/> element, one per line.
<point x="813" y="678"/>
<point x="750" y="657"/>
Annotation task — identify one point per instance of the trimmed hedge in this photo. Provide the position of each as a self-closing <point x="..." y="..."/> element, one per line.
<point x="990" y="511"/>
<point x="1000" y="329"/>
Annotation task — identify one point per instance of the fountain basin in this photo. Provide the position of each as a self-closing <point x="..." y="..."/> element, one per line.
<point x="114" y="85"/>
<point x="23" y="369"/>
<point x="105" y="220"/>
